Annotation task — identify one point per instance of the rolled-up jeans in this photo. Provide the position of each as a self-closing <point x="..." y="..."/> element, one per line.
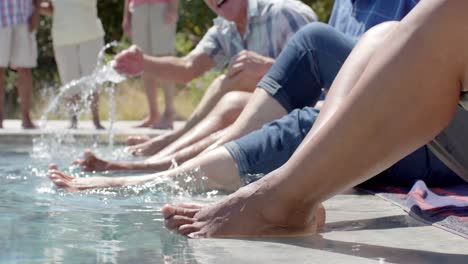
<point x="309" y="62"/>
<point x="268" y="148"/>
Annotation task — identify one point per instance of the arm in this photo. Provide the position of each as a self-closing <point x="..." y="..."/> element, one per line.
<point x="248" y="68"/>
<point x="169" y="68"/>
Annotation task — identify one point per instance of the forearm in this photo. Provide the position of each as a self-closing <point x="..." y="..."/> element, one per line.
<point x="169" y="68"/>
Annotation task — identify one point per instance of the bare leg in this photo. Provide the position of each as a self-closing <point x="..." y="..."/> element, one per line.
<point x="218" y="88"/>
<point x="252" y="117"/>
<point x="224" y="114"/>
<point x="25" y="94"/>
<point x="217" y="166"/>
<point x="2" y="95"/>
<point x="365" y="135"/>
<point x="92" y="163"/>
<point x="151" y="95"/>
<point x="95" y="111"/>
<point x="167" y="119"/>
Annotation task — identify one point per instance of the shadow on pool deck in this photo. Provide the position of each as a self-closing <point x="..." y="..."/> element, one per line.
<point x="359" y="229"/>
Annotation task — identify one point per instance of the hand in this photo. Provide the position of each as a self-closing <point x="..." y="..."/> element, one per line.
<point x="33" y="21"/>
<point x="130" y="61"/>
<point x="251" y="63"/>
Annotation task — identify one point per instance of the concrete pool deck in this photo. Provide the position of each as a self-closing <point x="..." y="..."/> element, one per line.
<point x="13" y="133"/>
<point x="360" y="229"/>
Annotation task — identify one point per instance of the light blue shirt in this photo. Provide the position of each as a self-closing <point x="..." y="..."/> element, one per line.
<point x="354" y="17"/>
<point x="270" y="24"/>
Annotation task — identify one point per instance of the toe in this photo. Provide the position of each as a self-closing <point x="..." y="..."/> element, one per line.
<point x="176" y="221"/>
<point x="169" y="211"/>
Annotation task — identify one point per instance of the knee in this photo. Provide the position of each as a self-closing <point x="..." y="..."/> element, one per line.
<point x="311" y="35"/>
<point x="231" y="105"/>
<point x="378" y="33"/>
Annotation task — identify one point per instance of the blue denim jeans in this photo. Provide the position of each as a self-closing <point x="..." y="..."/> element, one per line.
<point x="268" y="148"/>
<point x="309" y="62"/>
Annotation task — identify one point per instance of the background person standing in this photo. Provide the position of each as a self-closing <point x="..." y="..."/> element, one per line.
<point x="78" y="36"/>
<point x="152" y="26"/>
<point x="18" y="50"/>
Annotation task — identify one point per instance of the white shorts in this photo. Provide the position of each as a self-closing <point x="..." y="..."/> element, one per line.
<point x="77" y="60"/>
<point x="18" y="48"/>
<point x="150" y="32"/>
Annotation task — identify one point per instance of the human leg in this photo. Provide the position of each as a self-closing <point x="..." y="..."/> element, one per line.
<point x="67" y="58"/>
<point x="162" y="37"/>
<point x="5" y="43"/>
<point x="167" y="119"/>
<point x="366" y="120"/>
<point x="223" y="114"/>
<point x="308" y="63"/>
<point x="217" y="171"/>
<point x="23" y="59"/>
<point x="25" y="94"/>
<point x="2" y="95"/>
<point x="141" y="36"/>
<point x="92" y="163"/>
<point x="89" y="51"/>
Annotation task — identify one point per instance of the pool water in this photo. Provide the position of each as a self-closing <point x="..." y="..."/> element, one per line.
<point x="42" y="224"/>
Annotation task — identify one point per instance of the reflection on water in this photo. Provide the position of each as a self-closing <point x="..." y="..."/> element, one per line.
<point x="41" y="223"/>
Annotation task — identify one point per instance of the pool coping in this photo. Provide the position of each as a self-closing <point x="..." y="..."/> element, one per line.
<point x="13" y="133"/>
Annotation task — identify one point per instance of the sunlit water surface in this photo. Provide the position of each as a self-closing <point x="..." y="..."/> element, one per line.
<point x="42" y="224"/>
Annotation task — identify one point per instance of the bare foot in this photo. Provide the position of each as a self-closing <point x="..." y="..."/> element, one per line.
<point x="136" y="140"/>
<point x="149" y="148"/>
<point x="92" y="163"/>
<point x="73" y="184"/>
<point x="98" y="125"/>
<point x="73" y="122"/>
<point x="28" y="125"/>
<point x="167" y="122"/>
<point x="147" y="122"/>
<point x="245" y="213"/>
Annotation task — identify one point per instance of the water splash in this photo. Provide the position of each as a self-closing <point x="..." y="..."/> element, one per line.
<point x="87" y="85"/>
<point x="103" y="77"/>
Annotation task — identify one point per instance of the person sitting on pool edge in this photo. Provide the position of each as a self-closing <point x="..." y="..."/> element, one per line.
<point x="326" y="49"/>
<point x="283" y="202"/>
<point x="246" y="35"/>
<point x="228" y="169"/>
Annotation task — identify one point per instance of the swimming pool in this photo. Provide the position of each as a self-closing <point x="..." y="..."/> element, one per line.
<point x="41" y="224"/>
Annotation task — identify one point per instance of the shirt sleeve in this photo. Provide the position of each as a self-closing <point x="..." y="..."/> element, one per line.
<point x="211" y="44"/>
<point x="288" y="22"/>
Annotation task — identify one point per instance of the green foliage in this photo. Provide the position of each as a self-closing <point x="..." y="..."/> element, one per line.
<point x="194" y="19"/>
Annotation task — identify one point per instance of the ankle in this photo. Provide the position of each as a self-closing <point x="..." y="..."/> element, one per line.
<point x="284" y="209"/>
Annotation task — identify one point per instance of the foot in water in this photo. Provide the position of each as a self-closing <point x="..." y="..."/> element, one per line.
<point x="92" y="163"/>
<point x="73" y="184"/>
<point x="246" y="213"/>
